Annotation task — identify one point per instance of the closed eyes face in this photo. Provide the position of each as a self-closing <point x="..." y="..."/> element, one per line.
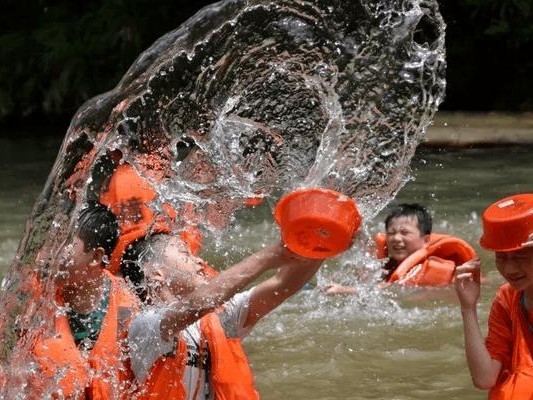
<point x="404" y="238"/>
<point x="177" y="274"/>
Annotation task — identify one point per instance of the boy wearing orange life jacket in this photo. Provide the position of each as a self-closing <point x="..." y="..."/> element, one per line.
<point x="83" y="357"/>
<point x="188" y="346"/>
<point x="416" y="257"/>
<point x="503" y="361"/>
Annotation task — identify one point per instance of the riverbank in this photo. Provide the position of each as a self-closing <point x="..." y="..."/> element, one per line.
<point x="458" y="129"/>
<point x="449" y="129"/>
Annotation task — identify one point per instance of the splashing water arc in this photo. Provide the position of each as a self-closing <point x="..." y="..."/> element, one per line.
<point x="247" y="98"/>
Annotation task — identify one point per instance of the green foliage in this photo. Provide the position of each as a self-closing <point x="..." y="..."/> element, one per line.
<point x="507" y="19"/>
<point x="489" y="47"/>
<point x="57" y="54"/>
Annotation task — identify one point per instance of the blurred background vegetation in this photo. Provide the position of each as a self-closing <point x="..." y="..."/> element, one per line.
<point x="57" y="54"/>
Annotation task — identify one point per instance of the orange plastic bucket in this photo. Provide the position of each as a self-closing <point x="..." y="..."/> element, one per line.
<point x="316" y="222"/>
<point x="508" y="223"/>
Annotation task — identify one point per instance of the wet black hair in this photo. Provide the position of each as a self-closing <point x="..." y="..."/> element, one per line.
<point x="97" y="227"/>
<point x="148" y="248"/>
<point x="422" y="215"/>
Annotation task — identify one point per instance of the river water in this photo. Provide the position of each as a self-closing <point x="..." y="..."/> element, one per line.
<point x="245" y="99"/>
<point x="374" y="345"/>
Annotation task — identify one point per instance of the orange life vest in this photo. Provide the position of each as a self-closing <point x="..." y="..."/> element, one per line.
<point x="515" y="381"/>
<point x="128" y="195"/>
<point x="433" y="265"/>
<point x="231" y="376"/>
<point x="102" y="374"/>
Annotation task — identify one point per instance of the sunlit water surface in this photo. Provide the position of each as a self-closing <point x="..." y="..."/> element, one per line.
<point x="375" y="345"/>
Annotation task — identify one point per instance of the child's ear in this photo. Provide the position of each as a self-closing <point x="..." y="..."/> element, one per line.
<point x="99" y="256"/>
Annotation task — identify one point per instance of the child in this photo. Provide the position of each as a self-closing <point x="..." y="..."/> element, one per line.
<point x="416" y="257"/>
<point x="503" y="362"/>
<point x="188" y="346"/>
<point x="83" y="356"/>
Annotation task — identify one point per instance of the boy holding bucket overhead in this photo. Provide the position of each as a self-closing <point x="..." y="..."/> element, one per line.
<point x="503" y="361"/>
<point x="187" y="343"/>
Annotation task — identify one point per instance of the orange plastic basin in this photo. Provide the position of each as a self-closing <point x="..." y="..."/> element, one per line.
<point x="316" y="222"/>
<point x="508" y="223"/>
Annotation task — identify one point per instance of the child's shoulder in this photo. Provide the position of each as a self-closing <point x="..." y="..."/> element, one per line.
<point x="506" y="294"/>
<point x="123" y="294"/>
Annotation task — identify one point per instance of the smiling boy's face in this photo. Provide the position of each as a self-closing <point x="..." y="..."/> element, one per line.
<point x="516" y="267"/>
<point x="404" y="237"/>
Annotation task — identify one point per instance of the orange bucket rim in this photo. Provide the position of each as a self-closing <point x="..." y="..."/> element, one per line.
<point x="298" y="192"/>
<point x="516" y="212"/>
<point x="303" y="229"/>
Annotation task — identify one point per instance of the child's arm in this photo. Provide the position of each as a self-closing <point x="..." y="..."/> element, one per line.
<point x="225" y="285"/>
<point x="484" y="370"/>
<point x="294" y="272"/>
<point x="335" y="288"/>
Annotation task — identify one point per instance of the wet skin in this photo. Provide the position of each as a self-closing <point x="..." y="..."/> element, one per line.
<point x="517" y="269"/>
<point x="80" y="275"/>
<point x="74" y="261"/>
<point x="178" y="274"/>
<point x="404" y="238"/>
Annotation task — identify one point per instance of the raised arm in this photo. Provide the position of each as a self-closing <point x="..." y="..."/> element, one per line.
<point x="484" y="370"/>
<point x="293" y="274"/>
<point x="207" y="297"/>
